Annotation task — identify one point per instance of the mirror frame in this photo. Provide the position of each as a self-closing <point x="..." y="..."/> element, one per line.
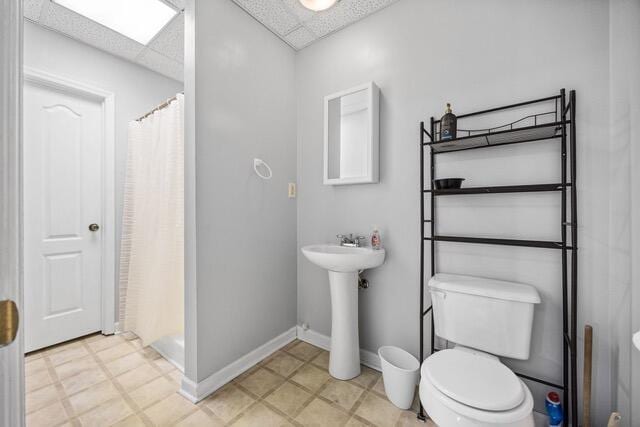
<point x="372" y="175"/>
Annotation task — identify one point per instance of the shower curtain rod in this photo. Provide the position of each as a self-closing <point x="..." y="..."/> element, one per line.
<point x="159" y="107"/>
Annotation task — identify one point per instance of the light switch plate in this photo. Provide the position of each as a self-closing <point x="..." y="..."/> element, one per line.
<point x="292" y="190"/>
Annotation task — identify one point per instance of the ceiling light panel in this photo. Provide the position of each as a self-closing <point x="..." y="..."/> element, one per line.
<point x="139" y="20"/>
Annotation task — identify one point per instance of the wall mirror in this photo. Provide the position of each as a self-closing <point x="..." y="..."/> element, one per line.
<point x="351" y="136"/>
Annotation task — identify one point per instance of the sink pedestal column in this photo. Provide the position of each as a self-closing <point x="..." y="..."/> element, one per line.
<point x="344" y="360"/>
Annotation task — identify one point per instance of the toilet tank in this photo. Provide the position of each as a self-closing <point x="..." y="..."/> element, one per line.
<point x="486" y="314"/>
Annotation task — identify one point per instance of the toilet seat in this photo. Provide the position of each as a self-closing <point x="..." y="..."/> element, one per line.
<point x="436" y="392"/>
<point x="474" y="379"/>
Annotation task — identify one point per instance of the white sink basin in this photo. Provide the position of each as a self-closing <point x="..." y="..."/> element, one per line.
<point x="343" y="264"/>
<point x="342" y="258"/>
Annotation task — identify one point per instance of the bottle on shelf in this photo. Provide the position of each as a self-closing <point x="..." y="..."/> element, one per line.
<point x="448" y="125"/>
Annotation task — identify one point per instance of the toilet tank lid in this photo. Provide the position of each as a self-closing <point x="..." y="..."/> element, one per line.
<point x="481" y="286"/>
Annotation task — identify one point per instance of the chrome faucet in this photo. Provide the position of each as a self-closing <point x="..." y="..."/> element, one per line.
<point x="350" y="241"/>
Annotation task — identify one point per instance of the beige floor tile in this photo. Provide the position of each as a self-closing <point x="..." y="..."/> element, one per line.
<point x="83" y="380"/>
<point x="42" y="397"/>
<point x="113" y="353"/>
<point x="67" y="354"/>
<point x="125" y="363"/>
<point x="104" y="343"/>
<point x="288" y="398"/>
<point x="48" y="416"/>
<point x="34" y="355"/>
<point x="129" y="336"/>
<point x="168" y="411"/>
<point x="34" y="365"/>
<point x="62" y="347"/>
<point x="378" y="411"/>
<point x="378" y="387"/>
<point x="107" y="413"/>
<point x="246" y="373"/>
<point x="76" y="366"/>
<point x="94" y="337"/>
<point x="164" y="365"/>
<point x="283" y="364"/>
<point x="322" y="360"/>
<point x="342" y="393"/>
<point x="367" y="377"/>
<point x="200" y="419"/>
<point x="409" y="418"/>
<point x="261" y="382"/>
<point x="304" y="351"/>
<point x="176" y="376"/>
<point x="228" y="402"/>
<point x="354" y="422"/>
<point x="138" y="376"/>
<point x="93" y="396"/>
<point x="152" y="392"/>
<point x="319" y="414"/>
<point x="311" y="377"/>
<point x="37" y="380"/>
<point x="130" y="421"/>
<point x="260" y="415"/>
<point x="149" y="353"/>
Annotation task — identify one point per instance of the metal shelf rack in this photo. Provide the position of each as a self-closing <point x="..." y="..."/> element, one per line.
<point x="560" y="125"/>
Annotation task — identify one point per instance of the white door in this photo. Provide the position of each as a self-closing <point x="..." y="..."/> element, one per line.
<point x="63" y="140"/>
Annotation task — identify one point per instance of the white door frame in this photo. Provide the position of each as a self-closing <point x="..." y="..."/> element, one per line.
<point x="107" y="99"/>
<point x="11" y="356"/>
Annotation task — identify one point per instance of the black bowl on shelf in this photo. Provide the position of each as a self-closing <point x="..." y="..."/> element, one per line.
<point x="448" y="183"/>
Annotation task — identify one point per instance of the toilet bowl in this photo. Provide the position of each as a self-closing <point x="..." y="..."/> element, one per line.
<point x="465" y="387"/>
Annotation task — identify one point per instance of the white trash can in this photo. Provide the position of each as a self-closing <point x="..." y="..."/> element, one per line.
<point x="400" y="373"/>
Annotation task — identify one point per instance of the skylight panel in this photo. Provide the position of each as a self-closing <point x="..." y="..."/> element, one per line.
<point x="139" y="20"/>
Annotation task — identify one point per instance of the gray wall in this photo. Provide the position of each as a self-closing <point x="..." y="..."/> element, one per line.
<point x="624" y="280"/>
<point x="246" y="237"/>
<point x="137" y="90"/>
<point x="423" y="54"/>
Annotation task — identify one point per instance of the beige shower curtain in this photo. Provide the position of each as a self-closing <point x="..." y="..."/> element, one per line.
<point x="152" y="255"/>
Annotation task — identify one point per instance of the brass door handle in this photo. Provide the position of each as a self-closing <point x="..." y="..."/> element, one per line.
<point x="9" y="321"/>
<point x="94" y="227"/>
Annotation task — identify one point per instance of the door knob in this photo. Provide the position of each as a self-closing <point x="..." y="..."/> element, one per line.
<point x="94" y="227"/>
<point x="8" y="322"/>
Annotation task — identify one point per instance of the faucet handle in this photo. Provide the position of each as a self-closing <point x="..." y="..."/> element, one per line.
<point x="340" y="237"/>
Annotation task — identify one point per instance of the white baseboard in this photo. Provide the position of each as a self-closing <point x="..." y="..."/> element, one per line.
<point x="367" y="358"/>
<point x="172" y="349"/>
<point x="195" y="392"/>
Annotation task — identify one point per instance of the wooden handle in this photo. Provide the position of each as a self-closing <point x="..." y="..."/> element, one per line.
<point x="586" y="385"/>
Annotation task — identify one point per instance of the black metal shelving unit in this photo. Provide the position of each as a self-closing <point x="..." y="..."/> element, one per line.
<point x="558" y="124"/>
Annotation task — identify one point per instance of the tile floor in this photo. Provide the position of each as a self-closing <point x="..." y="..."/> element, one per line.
<point x="112" y="380"/>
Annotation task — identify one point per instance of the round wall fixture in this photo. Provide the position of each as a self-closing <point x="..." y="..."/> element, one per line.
<point x="318" y="5"/>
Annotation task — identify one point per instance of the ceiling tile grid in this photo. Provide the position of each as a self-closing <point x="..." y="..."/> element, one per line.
<point x="164" y="54"/>
<point x="288" y="19"/>
<point x="299" y="26"/>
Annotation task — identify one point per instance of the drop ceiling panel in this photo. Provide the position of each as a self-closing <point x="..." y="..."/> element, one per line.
<point x="65" y="21"/>
<point x="164" y="54"/>
<point x="170" y="41"/>
<point x="299" y="26"/>
<point x="272" y="13"/>
<point x="162" y="64"/>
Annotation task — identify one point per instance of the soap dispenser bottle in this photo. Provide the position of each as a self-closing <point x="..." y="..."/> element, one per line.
<point x="375" y="239"/>
<point x="448" y="125"/>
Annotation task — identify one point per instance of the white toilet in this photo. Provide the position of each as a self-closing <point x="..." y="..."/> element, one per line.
<point x="468" y="385"/>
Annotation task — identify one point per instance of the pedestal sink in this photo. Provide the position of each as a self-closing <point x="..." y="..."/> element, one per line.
<point x="343" y="264"/>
